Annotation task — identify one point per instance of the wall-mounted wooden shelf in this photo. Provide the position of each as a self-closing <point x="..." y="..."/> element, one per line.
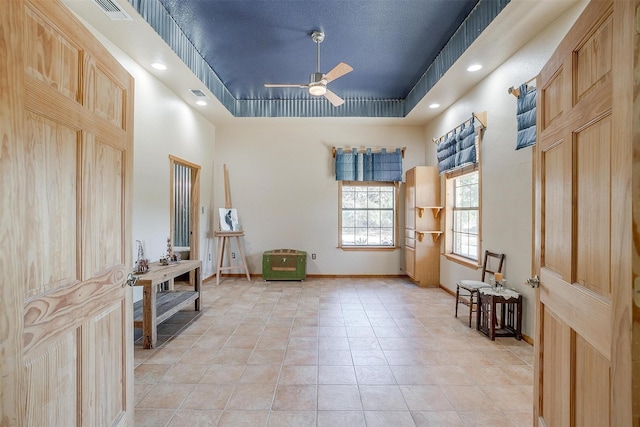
<point x="435" y="235"/>
<point x="434" y="209"/>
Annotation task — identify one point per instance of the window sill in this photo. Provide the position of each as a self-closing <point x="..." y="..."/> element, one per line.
<point x="462" y="261"/>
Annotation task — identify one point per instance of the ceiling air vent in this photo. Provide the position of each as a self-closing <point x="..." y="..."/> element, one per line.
<point x="198" y="93"/>
<point x="112" y="10"/>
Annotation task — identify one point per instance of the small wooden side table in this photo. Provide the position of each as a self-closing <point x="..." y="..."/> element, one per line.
<point x="510" y="322"/>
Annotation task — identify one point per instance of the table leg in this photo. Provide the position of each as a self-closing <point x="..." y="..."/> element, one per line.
<point x="196" y="276"/>
<point x="149" y="327"/>
<point x="503" y="313"/>
<point x="519" y="319"/>
<point x="492" y="319"/>
<point x="479" y="311"/>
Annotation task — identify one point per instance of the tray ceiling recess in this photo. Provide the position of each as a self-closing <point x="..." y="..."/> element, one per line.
<point x="398" y="51"/>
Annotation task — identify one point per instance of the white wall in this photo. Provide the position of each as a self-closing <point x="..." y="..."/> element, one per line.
<point x="164" y="125"/>
<point x="282" y="182"/>
<point x="507" y="188"/>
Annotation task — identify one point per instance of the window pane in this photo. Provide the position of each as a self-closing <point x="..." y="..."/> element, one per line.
<point x="374" y="198"/>
<point x="361" y="218"/>
<point x="373" y="235"/>
<point x="374" y="219"/>
<point x="386" y="219"/>
<point x="361" y="198"/>
<point x="386" y="198"/>
<point x="348" y="197"/>
<point x="348" y="236"/>
<point x="472" y="222"/>
<point x="348" y="218"/>
<point x="361" y="236"/>
<point x="386" y="236"/>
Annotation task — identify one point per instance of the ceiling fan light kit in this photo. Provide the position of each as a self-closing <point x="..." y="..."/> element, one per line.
<point x="318" y="81"/>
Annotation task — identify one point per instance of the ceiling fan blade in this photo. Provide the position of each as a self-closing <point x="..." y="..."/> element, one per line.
<point x="338" y="71"/>
<point x="333" y="98"/>
<point x="285" y="85"/>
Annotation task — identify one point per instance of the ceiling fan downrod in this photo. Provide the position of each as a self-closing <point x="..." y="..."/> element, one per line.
<point x="317" y="37"/>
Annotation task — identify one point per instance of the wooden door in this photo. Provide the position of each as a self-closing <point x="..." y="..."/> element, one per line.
<point x="583" y="227"/>
<point x="65" y="191"/>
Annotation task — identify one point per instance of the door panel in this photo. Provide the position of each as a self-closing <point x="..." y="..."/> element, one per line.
<point x="50" y="166"/>
<point x="594" y="58"/>
<point x="51" y="57"/>
<point x="577" y="157"/>
<point x="66" y="183"/>
<point x="557" y="195"/>
<point x="555" y="379"/>
<point x="53" y="372"/>
<point x="592" y="385"/>
<point x="593" y="195"/>
<point x="102" y="187"/>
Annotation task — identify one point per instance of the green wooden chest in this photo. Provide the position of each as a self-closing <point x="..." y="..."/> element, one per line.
<point x="284" y="264"/>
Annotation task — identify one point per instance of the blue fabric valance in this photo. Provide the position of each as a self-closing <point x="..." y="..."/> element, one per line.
<point x="458" y="148"/>
<point x="526" y="117"/>
<point x="368" y="166"/>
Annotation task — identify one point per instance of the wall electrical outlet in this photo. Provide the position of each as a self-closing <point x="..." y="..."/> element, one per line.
<point x="209" y="257"/>
<point x="313" y="256"/>
<point x="233" y="255"/>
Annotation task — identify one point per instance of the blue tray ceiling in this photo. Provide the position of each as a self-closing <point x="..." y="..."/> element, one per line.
<point x="398" y="49"/>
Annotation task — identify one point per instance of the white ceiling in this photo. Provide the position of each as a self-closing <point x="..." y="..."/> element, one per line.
<point x="520" y="21"/>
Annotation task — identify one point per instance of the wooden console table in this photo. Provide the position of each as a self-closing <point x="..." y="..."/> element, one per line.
<point x="156" y="307"/>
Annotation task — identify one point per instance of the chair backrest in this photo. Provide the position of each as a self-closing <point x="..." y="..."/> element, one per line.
<point x="490" y="261"/>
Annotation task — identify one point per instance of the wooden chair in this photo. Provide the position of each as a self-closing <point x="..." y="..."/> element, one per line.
<point x="469" y="296"/>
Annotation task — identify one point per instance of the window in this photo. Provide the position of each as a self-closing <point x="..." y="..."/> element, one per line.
<point x="181" y="205"/>
<point x="367" y="214"/>
<point x="463" y="194"/>
<point x="184" y="215"/>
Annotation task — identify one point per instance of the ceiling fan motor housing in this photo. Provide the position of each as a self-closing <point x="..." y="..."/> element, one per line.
<point x="317" y="84"/>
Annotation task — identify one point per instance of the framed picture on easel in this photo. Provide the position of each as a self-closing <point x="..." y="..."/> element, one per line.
<point x="229" y="219"/>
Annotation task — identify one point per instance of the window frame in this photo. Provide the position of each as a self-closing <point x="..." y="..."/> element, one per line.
<point x="450" y="178"/>
<point x="395" y="186"/>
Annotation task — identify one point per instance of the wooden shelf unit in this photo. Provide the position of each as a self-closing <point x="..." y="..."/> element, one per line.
<point x="422" y="256"/>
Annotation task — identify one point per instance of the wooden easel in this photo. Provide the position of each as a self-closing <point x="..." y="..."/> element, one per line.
<point x="225" y="236"/>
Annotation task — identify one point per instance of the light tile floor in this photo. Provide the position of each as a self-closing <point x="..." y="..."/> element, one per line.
<point x="330" y="352"/>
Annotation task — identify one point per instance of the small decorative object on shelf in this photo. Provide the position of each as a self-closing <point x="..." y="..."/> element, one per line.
<point x="142" y="264"/>
<point x="169" y="249"/>
<point x="170" y="256"/>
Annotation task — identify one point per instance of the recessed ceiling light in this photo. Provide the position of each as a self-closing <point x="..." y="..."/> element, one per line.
<point x="201" y="102"/>
<point x="159" y="66"/>
<point x="434" y="105"/>
<point x="474" y="67"/>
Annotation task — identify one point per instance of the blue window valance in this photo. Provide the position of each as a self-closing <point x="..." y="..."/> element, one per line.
<point x="457" y="148"/>
<point x="526" y="116"/>
<point x="368" y="166"/>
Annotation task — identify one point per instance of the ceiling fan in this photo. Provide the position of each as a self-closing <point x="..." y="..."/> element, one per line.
<point x="318" y="81"/>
